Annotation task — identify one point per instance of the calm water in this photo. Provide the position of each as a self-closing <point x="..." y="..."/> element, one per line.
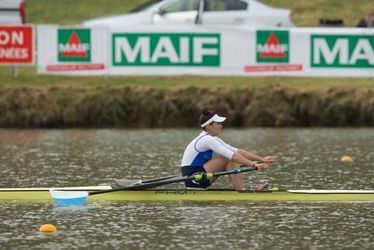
<point x="307" y="158"/>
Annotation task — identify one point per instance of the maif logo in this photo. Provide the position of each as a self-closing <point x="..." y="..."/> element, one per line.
<point x="272" y="46"/>
<point x="176" y="49"/>
<point x="74" y="45"/>
<point x="342" y="51"/>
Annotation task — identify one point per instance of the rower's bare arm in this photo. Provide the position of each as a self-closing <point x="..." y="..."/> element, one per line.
<point x="269" y="159"/>
<point x="254" y="157"/>
<point x="240" y="159"/>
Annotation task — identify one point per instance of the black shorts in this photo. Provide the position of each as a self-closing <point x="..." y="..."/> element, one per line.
<point x="190" y="170"/>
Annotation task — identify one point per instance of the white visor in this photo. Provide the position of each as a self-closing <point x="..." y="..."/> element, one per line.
<point x="214" y="118"/>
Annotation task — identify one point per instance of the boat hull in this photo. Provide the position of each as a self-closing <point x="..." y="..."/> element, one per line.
<point x="42" y="194"/>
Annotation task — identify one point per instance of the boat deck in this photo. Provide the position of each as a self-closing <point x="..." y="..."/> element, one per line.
<point x="42" y="194"/>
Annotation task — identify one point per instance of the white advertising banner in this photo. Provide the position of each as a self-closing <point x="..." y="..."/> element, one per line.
<point x="207" y="50"/>
<point x="334" y="52"/>
<point x="178" y="51"/>
<point x="73" y="51"/>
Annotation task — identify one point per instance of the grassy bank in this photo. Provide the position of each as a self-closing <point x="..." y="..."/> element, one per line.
<point x="306" y="13"/>
<point x="109" y="106"/>
<point x="28" y="77"/>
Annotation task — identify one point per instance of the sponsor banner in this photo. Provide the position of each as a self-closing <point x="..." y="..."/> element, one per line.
<point x="319" y="52"/>
<point x="77" y="51"/>
<point x="173" y="50"/>
<point x="274" y="54"/>
<point x="200" y="50"/>
<point x="165" y="49"/>
<point x="17" y="45"/>
<point x="272" y="46"/>
<point x="342" y="51"/>
<point x="74" y="45"/>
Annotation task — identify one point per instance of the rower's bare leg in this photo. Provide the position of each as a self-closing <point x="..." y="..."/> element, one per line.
<point x="218" y="164"/>
<point x="236" y="179"/>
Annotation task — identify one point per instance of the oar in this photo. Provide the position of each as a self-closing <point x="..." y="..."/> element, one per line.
<point x="127" y="182"/>
<point x="68" y="198"/>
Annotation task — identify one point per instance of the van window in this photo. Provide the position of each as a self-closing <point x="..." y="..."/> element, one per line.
<point x="144" y="6"/>
<point x="181" y="5"/>
<point x="224" y="5"/>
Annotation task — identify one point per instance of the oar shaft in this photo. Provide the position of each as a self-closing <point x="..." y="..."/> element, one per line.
<point x="176" y="176"/>
<point x="141" y="186"/>
<point x="129" y="182"/>
<point x="160" y="179"/>
<point x="235" y="171"/>
<point x="196" y="177"/>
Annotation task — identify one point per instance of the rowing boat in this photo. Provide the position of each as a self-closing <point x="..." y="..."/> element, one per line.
<point x="42" y="194"/>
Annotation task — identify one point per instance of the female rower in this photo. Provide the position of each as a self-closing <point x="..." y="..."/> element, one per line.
<point x="199" y="157"/>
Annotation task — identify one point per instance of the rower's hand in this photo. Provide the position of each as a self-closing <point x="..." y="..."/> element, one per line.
<point x="261" y="166"/>
<point x="269" y="159"/>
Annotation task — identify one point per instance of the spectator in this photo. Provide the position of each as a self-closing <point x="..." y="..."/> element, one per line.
<point x="367" y="21"/>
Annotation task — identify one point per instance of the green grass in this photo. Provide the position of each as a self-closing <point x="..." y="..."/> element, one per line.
<point x="306" y="12"/>
<point x="72" y="12"/>
<point x="28" y="77"/>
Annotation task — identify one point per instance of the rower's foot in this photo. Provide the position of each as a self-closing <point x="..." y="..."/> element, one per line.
<point x="263" y="187"/>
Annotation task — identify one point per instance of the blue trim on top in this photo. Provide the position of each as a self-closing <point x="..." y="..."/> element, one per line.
<point x="202" y="158"/>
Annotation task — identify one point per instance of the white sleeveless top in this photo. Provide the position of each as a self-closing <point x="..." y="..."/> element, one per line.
<point x="201" y="149"/>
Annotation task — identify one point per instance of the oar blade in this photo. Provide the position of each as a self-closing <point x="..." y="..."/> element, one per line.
<point x="68" y="198"/>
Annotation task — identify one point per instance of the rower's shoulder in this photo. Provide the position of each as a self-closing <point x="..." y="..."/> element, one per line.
<point x="205" y="136"/>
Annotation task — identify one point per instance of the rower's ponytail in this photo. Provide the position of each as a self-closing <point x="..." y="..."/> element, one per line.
<point x="206" y="114"/>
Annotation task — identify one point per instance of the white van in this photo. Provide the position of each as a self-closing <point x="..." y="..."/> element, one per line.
<point x="12" y="12"/>
<point x="206" y="12"/>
